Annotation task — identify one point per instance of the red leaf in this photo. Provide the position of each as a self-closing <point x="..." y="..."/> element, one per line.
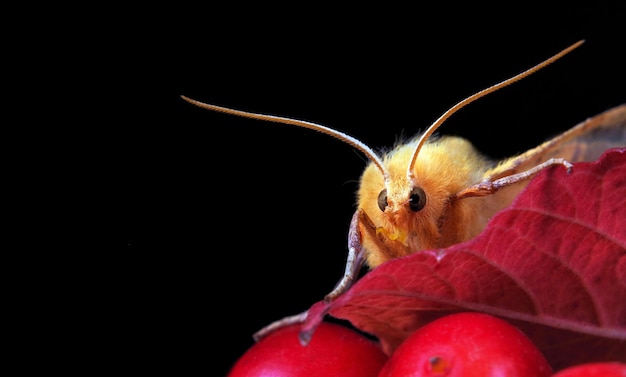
<point x="553" y="263"/>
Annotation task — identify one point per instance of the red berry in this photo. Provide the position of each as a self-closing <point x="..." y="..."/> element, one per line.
<point x="598" y="369"/>
<point x="334" y="350"/>
<point x="468" y="345"/>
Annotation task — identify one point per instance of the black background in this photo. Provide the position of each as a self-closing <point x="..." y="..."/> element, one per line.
<point x="233" y="223"/>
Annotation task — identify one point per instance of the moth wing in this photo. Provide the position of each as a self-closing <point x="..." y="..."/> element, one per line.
<point x="584" y="142"/>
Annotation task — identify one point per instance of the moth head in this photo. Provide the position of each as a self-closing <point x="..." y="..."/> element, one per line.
<point x="399" y="209"/>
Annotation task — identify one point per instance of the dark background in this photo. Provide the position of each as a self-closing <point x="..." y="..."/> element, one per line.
<point x="233" y="223"/>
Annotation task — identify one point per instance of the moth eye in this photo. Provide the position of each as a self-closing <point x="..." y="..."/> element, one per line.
<point x="417" y="199"/>
<point x="382" y="200"/>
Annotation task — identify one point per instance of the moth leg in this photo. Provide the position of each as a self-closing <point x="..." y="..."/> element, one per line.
<point x="297" y="318"/>
<point x="488" y="187"/>
<point x="356" y="257"/>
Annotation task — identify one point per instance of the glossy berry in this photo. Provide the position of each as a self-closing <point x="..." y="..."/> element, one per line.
<point x="468" y="345"/>
<point x="334" y="350"/>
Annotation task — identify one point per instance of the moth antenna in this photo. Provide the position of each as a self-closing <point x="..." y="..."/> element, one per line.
<point x="479" y="94"/>
<point x="300" y="123"/>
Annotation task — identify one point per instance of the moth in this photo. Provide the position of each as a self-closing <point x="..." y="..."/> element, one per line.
<point x="436" y="191"/>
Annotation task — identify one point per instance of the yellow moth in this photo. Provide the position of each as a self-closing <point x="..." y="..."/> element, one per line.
<point x="433" y="192"/>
